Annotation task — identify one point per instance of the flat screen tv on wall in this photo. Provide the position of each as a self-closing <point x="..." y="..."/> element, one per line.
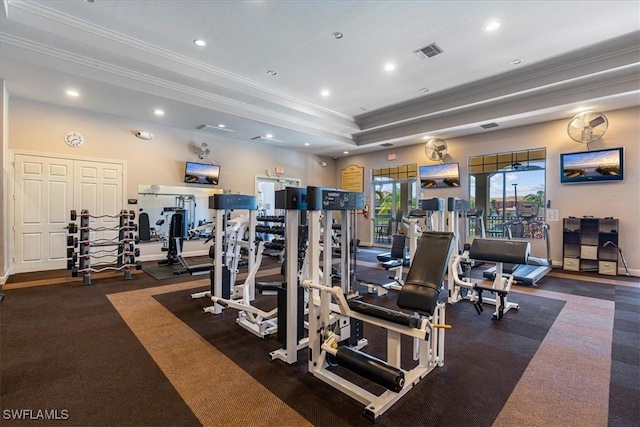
<point x="592" y="166"/>
<point x="201" y="173"/>
<point x="439" y="176"/>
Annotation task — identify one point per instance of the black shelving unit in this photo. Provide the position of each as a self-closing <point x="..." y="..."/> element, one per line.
<point x="590" y="244"/>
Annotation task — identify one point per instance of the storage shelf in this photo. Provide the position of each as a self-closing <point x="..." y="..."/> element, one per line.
<point x="590" y="244"/>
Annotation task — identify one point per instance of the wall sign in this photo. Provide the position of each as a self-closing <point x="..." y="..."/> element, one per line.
<point x="352" y="178"/>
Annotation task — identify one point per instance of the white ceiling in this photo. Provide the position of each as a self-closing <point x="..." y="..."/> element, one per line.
<point x="128" y="57"/>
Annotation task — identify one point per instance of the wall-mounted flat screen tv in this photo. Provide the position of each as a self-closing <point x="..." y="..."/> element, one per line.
<point x="592" y="166"/>
<point x="439" y="176"/>
<point x="201" y="173"/>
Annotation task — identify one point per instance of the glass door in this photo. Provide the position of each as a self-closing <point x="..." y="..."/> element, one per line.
<point x="266" y="189"/>
<point x="393" y="199"/>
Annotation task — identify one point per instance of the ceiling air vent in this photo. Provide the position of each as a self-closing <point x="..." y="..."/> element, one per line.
<point x="386" y="144"/>
<point x="264" y="139"/>
<point x="428" y="51"/>
<point x="489" y="125"/>
<point x="215" y="129"/>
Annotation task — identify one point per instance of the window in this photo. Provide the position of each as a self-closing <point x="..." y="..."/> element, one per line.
<point x="394" y="195"/>
<point x="504" y="184"/>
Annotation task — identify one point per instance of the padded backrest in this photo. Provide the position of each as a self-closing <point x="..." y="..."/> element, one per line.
<point x="496" y="250"/>
<point x="422" y="286"/>
<point x="398" y="245"/>
<point x="175" y="229"/>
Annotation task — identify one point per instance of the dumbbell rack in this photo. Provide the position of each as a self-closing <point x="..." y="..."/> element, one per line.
<point x="80" y="253"/>
<point x="266" y="226"/>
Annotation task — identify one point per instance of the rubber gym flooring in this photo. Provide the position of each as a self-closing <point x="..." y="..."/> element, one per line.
<point x="142" y="352"/>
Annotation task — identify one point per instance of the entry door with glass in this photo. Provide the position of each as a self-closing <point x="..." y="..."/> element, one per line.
<point x="392" y="200"/>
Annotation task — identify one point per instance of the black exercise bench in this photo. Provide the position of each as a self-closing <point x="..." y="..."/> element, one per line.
<point x="498" y="252"/>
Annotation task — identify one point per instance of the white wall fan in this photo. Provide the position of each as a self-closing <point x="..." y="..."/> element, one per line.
<point x="587" y="127"/>
<point x="435" y="149"/>
<point x="202" y="150"/>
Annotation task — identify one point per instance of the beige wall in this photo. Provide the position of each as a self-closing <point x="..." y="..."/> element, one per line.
<point x="4" y="185"/>
<point x="619" y="199"/>
<point x="39" y="127"/>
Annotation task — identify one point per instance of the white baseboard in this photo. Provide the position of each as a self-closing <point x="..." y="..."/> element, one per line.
<point x="632" y="272"/>
<point x="4" y="278"/>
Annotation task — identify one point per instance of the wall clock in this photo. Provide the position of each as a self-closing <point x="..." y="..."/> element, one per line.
<point x="74" y="139"/>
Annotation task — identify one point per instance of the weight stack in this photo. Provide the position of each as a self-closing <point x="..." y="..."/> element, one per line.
<point x="226" y="282"/>
<point x="282" y="314"/>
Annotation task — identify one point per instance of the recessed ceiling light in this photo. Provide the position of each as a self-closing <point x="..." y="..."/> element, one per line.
<point x="516" y="62"/>
<point x="345" y="152"/>
<point x="389" y="66"/>
<point x="89" y="1"/>
<point x="269" y="135"/>
<point x="492" y="26"/>
<point x="363" y="108"/>
<point x="200" y="43"/>
<point x="424" y="90"/>
<point x="325" y="93"/>
<point x="221" y="125"/>
<point x="337" y="35"/>
<point x="307" y="144"/>
<point x="158" y="112"/>
<point x="73" y="93"/>
<point x="271" y="73"/>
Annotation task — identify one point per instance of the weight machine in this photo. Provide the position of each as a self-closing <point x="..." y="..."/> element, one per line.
<point x="220" y="290"/>
<point x="461" y="287"/>
<point x="332" y="316"/>
<point x="291" y="297"/>
<point x="535" y="268"/>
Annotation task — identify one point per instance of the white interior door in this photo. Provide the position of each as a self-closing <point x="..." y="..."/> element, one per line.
<point x="46" y="190"/>
<point x="43" y="199"/>
<point x="98" y="189"/>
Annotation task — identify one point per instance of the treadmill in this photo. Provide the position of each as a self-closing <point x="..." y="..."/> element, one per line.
<point x="536" y="268"/>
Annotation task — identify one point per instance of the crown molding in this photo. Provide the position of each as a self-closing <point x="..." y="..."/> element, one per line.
<point x="173" y="90"/>
<point x="620" y="81"/>
<point x="112" y="41"/>
<point x="594" y="59"/>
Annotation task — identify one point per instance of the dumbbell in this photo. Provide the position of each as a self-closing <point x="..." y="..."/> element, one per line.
<point x="74" y="271"/>
<point x="74" y="215"/>
<point x="72" y="227"/>
<point x="72" y="242"/>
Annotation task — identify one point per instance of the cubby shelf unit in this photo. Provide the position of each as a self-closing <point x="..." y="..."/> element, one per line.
<point x="590" y="244"/>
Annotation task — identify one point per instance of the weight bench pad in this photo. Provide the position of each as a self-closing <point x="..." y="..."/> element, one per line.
<point x="421" y="288"/>
<point x="392" y="264"/>
<point x="495" y="250"/>
<point x="385" y="313"/>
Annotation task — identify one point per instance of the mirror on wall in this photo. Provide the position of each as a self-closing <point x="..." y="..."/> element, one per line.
<point x="158" y="203"/>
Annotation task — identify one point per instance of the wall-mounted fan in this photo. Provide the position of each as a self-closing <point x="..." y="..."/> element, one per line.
<point x="588" y="126"/>
<point x="202" y="150"/>
<point x="435" y="149"/>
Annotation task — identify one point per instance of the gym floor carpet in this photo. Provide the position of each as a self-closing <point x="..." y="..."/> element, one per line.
<point x="142" y="352"/>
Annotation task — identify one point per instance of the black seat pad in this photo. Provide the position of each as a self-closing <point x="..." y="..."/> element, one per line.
<point x="421" y="288"/>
